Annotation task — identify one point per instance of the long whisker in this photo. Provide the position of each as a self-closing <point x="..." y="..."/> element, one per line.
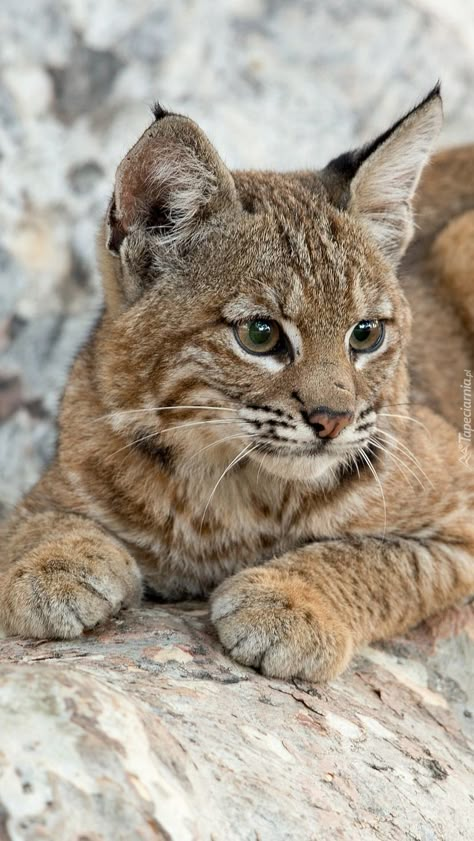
<point x="377" y="479"/>
<point x="246" y="450"/>
<point x="220" y="441"/>
<point x="399" y="464"/>
<point x="406" y="450"/>
<point x="404" y="417"/>
<point x="399" y="443"/>
<point x="405" y="403"/>
<point x="355" y="462"/>
<point x="261" y="465"/>
<point x="397" y="459"/>
<point x="170" y="428"/>
<point x="388" y="449"/>
<point x="162" y="409"/>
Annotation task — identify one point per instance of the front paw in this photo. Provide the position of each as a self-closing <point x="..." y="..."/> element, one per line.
<point x="273" y="621"/>
<point x="65" y="587"/>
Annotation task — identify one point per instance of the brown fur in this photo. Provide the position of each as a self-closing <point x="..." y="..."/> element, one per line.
<point x="316" y="548"/>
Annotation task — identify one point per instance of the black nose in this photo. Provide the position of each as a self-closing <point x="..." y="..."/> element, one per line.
<point x="329" y="424"/>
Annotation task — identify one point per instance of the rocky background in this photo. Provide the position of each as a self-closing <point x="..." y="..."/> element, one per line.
<point x="145" y="729"/>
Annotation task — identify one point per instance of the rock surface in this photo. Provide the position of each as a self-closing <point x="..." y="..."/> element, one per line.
<point x="145" y="730"/>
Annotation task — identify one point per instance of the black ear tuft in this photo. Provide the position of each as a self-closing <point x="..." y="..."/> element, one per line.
<point x="158" y="111"/>
<point x="347" y="164"/>
<point x="377" y="182"/>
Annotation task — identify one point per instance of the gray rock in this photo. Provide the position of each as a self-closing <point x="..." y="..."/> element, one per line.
<point x="144" y="729"/>
<point x="82" y="85"/>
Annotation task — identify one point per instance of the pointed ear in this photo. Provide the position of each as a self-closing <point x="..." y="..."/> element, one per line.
<point x="169" y="183"/>
<point x="377" y="182"/>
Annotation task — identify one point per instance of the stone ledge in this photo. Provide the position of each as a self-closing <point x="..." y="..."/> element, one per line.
<point x="145" y="729"/>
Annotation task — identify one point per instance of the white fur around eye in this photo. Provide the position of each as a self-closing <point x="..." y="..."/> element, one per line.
<point x="267" y="361"/>
<point x="294" y="337"/>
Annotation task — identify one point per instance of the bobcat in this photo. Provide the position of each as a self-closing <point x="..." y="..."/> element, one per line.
<point x="250" y="416"/>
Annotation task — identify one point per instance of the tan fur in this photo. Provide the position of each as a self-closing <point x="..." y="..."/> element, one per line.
<point x="188" y="464"/>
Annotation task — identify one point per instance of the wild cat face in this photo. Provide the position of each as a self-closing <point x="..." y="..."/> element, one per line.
<point x="258" y="315"/>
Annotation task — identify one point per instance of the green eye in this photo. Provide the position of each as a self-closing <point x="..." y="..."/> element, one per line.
<point x="367" y="336"/>
<point x="261" y="335"/>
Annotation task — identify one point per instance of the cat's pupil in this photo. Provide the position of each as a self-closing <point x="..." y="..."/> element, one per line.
<point x="260" y="335"/>
<point x="367" y="336"/>
<point x="363" y="331"/>
<point x="259" y="331"/>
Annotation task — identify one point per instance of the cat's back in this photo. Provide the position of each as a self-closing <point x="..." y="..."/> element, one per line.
<point x="438" y="277"/>
<point x="446" y="190"/>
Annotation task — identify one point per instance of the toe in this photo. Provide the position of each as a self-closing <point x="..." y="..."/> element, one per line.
<point x="275" y="624"/>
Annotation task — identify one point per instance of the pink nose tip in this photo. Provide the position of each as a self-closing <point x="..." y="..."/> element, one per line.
<point x="329" y="424"/>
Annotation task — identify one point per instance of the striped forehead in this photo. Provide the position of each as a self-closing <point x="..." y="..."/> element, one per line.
<point x="318" y="263"/>
<point x="318" y="273"/>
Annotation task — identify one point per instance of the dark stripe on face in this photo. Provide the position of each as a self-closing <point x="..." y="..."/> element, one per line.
<point x="365" y="413"/>
<point x="297" y="397"/>
<point x="278" y="412"/>
<point x="365" y="426"/>
<point x="161" y="455"/>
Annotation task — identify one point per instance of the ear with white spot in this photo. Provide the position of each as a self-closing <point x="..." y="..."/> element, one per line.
<point x="168" y="185"/>
<point x="377" y="182"/>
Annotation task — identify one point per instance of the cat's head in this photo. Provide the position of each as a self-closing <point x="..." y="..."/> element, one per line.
<point x="270" y="298"/>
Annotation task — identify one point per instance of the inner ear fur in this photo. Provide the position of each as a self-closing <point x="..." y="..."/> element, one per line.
<point x="168" y="183"/>
<point x="378" y="181"/>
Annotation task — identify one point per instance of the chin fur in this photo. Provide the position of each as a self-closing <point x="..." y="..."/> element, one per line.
<point x="320" y="470"/>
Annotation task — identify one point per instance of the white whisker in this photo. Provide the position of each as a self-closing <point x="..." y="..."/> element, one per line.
<point x="397" y="459"/>
<point x="398" y="462"/>
<point x="220" y="441"/>
<point x="406" y="450"/>
<point x="246" y="450"/>
<point x="162" y="409"/>
<point x="170" y="428"/>
<point x="377" y="479"/>
<point x="354" y="460"/>
<point x="404" y="417"/>
<point x="260" y="466"/>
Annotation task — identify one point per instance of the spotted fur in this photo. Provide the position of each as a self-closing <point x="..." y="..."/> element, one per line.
<point x="188" y="466"/>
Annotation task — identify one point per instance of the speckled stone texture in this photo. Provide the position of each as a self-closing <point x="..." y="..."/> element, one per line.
<point x="144" y="730"/>
<point x="221" y="753"/>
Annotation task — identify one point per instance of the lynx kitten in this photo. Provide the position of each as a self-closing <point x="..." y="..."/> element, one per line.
<point x="268" y="408"/>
